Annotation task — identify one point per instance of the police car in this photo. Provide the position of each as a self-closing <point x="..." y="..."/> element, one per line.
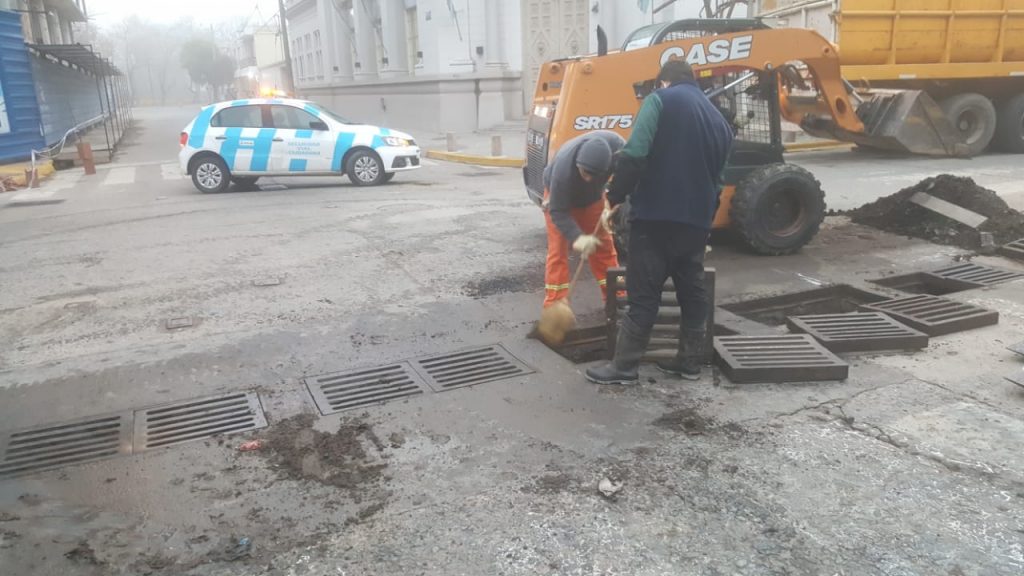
<point x="241" y="140"/>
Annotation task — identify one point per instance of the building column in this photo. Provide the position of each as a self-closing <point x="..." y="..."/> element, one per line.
<point x="395" y="44"/>
<point x="494" y="41"/>
<point x="341" y="55"/>
<point x="366" y="42"/>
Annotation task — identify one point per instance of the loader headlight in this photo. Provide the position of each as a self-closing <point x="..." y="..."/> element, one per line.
<point x="396" y="141"/>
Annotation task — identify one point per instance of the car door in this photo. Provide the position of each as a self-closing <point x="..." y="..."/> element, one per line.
<point x="240" y="136"/>
<point x="306" y="141"/>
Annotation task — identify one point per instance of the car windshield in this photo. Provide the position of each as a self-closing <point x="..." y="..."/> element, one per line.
<point x="332" y="115"/>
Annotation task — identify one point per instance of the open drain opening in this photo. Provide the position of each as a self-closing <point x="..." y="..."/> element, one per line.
<point x="925" y="283"/>
<point x="838" y="299"/>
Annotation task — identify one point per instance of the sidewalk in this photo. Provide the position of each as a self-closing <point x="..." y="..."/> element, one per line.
<point x="476" y="147"/>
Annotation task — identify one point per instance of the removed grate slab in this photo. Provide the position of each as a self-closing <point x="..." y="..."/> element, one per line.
<point x="1013" y="250"/>
<point x="859" y="332"/>
<point x="469" y="367"/>
<point x="935" y="316"/>
<point x="977" y="273"/>
<point x="179" y="422"/>
<point x="342" y="391"/>
<point x="56" y="445"/>
<point x="777" y="358"/>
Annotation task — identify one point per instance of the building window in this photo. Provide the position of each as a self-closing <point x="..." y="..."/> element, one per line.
<point x="307" y="42"/>
<point x="412" y="28"/>
<point x="316" y="39"/>
<point x="319" y="65"/>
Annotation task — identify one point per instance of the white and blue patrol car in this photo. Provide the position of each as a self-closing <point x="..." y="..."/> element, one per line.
<point x="241" y="140"/>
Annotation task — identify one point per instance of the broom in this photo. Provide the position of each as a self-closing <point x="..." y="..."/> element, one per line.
<point x="558" y="319"/>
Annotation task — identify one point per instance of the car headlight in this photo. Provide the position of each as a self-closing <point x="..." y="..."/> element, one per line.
<point x="396" y="141"/>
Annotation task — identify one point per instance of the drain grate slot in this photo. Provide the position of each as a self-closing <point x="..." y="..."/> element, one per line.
<point x="936" y="316"/>
<point x="1013" y="250"/>
<point x="346" y="390"/>
<point x="469" y="367"/>
<point x="859" y="332"/>
<point x="52" y="446"/>
<point x="774" y="358"/>
<point x="194" y="420"/>
<point x="984" y="275"/>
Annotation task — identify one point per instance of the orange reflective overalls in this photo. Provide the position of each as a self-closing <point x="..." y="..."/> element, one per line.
<point x="557" y="274"/>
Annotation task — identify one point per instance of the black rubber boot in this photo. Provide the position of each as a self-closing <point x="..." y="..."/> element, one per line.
<point x="689" y="357"/>
<point x="624" y="369"/>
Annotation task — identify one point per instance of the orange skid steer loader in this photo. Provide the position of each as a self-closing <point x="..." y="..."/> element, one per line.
<point x="757" y="76"/>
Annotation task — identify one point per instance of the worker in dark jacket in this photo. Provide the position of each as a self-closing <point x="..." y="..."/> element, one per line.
<point x="671" y="169"/>
<point x="574" y="184"/>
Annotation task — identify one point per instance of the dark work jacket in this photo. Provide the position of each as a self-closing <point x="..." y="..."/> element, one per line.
<point x="672" y="166"/>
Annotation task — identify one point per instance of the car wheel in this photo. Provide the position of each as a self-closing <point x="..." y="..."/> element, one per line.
<point x="245" y="182"/>
<point x="364" y="168"/>
<point x="210" y="175"/>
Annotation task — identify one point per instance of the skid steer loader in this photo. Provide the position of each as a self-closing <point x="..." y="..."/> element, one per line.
<point x="758" y="77"/>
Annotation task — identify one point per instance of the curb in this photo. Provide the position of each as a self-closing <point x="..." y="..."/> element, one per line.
<point x="811" y="146"/>
<point x="498" y="161"/>
<point x="17" y="171"/>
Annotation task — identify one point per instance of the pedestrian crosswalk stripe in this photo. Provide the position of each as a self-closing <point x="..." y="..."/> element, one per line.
<point x="120" y="176"/>
<point x="171" y="172"/>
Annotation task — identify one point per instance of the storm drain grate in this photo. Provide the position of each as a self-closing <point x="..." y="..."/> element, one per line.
<point x="196" y="419"/>
<point x="859" y="332"/>
<point x="56" y="445"/>
<point x="469" y="367"/>
<point x="936" y="316"/>
<point x="1014" y="249"/>
<point x="776" y="358"/>
<point x="984" y="275"/>
<point x="345" y="390"/>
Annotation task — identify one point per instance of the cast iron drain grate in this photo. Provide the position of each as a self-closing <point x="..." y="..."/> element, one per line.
<point x="776" y="358"/>
<point x="56" y="445"/>
<point x="1013" y="250"/>
<point x="196" y="419"/>
<point x="977" y="273"/>
<point x="346" y="390"/>
<point x="936" y="316"/>
<point x="859" y="332"/>
<point x="469" y="367"/>
<point x="925" y="283"/>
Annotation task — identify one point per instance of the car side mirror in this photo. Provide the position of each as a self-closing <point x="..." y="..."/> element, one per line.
<point x="318" y="125"/>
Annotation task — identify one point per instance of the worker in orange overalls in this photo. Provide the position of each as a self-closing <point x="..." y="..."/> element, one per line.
<point x="574" y="184"/>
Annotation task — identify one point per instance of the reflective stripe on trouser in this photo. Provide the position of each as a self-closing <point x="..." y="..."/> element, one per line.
<point x="557" y="274"/>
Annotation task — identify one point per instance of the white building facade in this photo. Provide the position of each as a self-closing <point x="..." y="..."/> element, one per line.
<point x="447" y="65"/>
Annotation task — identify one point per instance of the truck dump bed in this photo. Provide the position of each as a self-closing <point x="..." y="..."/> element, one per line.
<point x="912" y="39"/>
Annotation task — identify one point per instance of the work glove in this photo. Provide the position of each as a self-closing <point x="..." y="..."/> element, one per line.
<point x="586" y="244"/>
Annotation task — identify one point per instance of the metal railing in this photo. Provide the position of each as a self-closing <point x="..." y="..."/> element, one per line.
<point x="55" y="150"/>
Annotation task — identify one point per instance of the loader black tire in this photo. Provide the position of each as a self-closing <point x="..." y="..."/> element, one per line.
<point x="974" y="118"/>
<point x="1010" y="131"/>
<point x="777" y="209"/>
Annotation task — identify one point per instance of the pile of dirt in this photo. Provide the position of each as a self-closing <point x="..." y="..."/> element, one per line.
<point x="340" y="459"/>
<point x="896" y="214"/>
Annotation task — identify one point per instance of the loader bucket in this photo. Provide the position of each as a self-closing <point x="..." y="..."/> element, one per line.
<point x="908" y="121"/>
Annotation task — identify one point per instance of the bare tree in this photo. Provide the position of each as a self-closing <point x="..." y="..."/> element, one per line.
<point x="721" y="8"/>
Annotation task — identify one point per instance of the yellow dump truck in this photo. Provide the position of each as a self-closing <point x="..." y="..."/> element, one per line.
<point x="968" y="55"/>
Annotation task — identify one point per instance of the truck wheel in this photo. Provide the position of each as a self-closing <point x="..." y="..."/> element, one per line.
<point x="1010" y="132"/>
<point x="974" y="117"/>
<point x="777" y="209"/>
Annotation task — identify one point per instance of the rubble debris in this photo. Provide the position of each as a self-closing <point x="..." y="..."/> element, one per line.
<point x="250" y="446"/>
<point x="83" y="554"/>
<point x="340" y="459"/>
<point x="948" y="209"/>
<point x="609" y="489"/>
<point x="897" y="214"/>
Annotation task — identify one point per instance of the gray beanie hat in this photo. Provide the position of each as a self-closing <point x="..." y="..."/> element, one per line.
<point x="595" y="156"/>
